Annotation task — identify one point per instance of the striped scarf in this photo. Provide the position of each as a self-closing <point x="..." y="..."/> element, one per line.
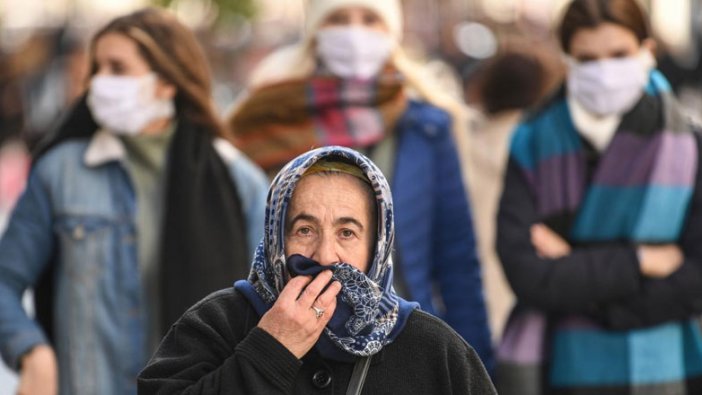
<point x="639" y="192"/>
<point x="280" y="121"/>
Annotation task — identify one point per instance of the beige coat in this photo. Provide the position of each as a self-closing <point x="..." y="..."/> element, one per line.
<point x="487" y="154"/>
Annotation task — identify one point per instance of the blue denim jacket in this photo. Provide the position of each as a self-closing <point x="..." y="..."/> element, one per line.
<point x="80" y="204"/>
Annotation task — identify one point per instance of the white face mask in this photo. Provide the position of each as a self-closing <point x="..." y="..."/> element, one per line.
<point x="353" y="52"/>
<point x="610" y="86"/>
<point x="126" y="105"/>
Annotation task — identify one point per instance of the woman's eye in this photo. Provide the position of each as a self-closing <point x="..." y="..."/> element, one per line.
<point x="304" y="231"/>
<point x="585" y="59"/>
<point x="117" y="68"/>
<point x="347" y="233"/>
<point x="338" y="19"/>
<point x="370" y="19"/>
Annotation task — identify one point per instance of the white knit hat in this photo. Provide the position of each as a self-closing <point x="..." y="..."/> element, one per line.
<point x="390" y="11"/>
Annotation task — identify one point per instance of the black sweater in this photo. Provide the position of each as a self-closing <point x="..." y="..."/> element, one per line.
<point x="216" y="348"/>
<point x="601" y="280"/>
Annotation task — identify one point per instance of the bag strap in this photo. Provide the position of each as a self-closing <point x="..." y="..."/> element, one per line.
<point x="358" y="377"/>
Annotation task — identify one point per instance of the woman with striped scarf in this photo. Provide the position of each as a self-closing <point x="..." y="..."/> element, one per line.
<point x="600" y="223"/>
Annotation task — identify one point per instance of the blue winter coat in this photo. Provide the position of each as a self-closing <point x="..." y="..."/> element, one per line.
<point x="436" y="248"/>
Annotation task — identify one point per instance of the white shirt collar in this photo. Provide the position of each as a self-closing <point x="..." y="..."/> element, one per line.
<point x="599" y="131"/>
<point x="104" y="147"/>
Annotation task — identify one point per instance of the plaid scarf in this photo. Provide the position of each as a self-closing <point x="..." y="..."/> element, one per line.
<point x="278" y="122"/>
<point x="640" y="192"/>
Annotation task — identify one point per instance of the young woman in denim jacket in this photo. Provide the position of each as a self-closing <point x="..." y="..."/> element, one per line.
<point x="137" y="209"/>
<point x="348" y="83"/>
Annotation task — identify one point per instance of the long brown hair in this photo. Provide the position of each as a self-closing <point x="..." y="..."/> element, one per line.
<point x="591" y="13"/>
<point x="172" y="52"/>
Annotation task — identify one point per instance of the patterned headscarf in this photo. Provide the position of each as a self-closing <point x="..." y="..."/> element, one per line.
<point x="374" y="314"/>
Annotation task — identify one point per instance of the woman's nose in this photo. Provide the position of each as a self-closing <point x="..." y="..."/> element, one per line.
<point x="326" y="252"/>
<point x="102" y="71"/>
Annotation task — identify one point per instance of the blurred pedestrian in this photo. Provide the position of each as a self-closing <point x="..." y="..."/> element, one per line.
<point x="136" y="209"/>
<point x="348" y="82"/>
<point x="318" y="313"/>
<point x="600" y="223"/>
<point x="502" y="89"/>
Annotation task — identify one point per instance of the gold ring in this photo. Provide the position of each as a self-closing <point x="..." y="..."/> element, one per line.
<point x="317" y="312"/>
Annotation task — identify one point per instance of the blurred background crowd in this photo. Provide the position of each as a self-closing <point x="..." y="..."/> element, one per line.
<point x="498" y="56"/>
<point x="42" y="44"/>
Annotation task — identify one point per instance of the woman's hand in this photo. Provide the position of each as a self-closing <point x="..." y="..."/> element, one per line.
<point x="39" y="374"/>
<point x="548" y="244"/>
<point x="659" y="261"/>
<point x="292" y="320"/>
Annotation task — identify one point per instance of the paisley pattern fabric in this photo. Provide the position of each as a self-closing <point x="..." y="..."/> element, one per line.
<point x="375" y="314"/>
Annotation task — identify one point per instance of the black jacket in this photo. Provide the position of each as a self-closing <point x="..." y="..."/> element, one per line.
<point x="216" y="348"/>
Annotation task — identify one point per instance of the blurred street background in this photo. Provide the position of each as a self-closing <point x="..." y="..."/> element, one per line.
<point x="43" y="55"/>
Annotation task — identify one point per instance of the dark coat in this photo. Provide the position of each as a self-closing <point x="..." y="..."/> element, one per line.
<point x="601" y="280"/>
<point x="216" y="348"/>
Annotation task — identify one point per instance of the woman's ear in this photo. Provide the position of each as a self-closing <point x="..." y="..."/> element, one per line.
<point x="165" y="90"/>
<point x="651" y="45"/>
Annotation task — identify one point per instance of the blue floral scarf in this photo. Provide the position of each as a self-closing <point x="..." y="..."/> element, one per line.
<point x="369" y="313"/>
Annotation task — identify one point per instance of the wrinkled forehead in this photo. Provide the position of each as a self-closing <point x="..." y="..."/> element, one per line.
<point x="330" y="168"/>
<point x="336" y="191"/>
<point x="326" y="161"/>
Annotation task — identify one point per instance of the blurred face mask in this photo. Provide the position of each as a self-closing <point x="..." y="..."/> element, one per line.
<point x="353" y="52"/>
<point x="610" y="86"/>
<point x="126" y="105"/>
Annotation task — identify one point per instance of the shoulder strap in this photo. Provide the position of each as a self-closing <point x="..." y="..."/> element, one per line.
<point x="358" y="377"/>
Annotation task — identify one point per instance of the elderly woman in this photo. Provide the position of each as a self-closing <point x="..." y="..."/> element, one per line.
<point x="318" y="312"/>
